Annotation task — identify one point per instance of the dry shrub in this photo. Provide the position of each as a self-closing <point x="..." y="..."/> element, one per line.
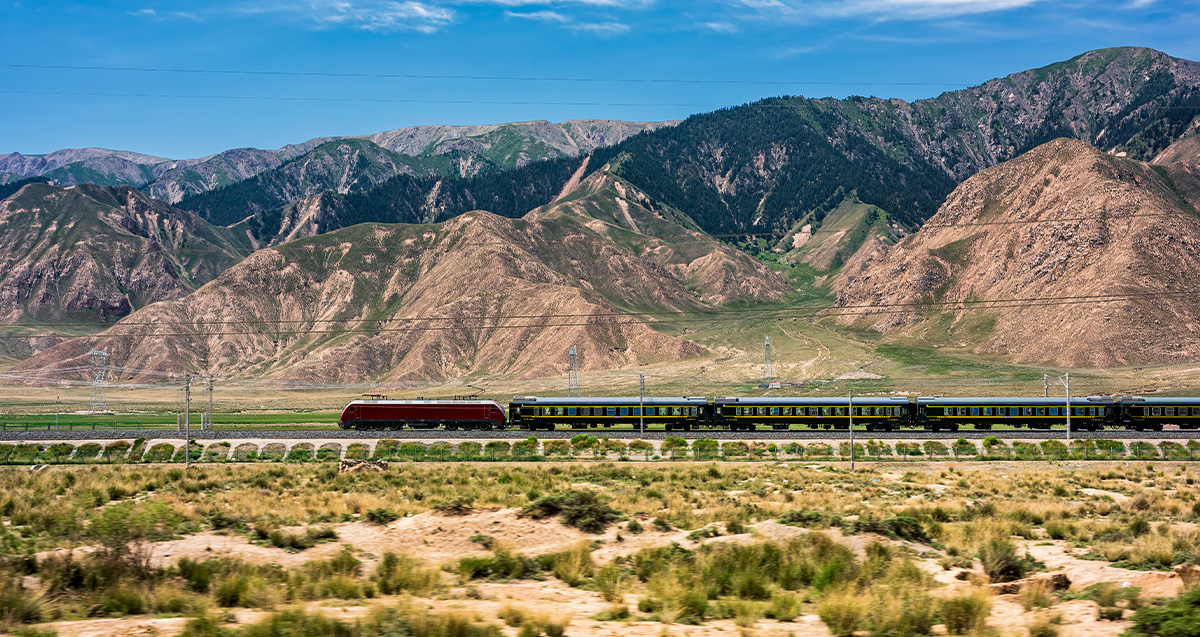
<point x="843" y="611"/>
<point x="573" y="565"/>
<point x="966" y="613"/>
<point x="1035" y="595"/>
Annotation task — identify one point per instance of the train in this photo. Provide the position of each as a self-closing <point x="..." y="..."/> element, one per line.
<point x="734" y="413"/>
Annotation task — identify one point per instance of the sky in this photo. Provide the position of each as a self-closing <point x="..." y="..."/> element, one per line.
<point x="203" y="76"/>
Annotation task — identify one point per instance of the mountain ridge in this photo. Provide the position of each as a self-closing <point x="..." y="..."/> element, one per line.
<point x="1062" y="221"/>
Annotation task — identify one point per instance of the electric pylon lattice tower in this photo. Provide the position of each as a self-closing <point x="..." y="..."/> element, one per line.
<point x="99" y="361"/>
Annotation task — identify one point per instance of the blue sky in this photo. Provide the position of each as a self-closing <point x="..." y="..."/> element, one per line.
<point x="895" y="48"/>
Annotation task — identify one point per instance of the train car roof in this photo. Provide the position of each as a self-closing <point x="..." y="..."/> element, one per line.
<point x="830" y="400"/>
<point x="398" y="401"/>
<point x="1009" y="400"/>
<point x="1159" y="400"/>
<point x="609" y="400"/>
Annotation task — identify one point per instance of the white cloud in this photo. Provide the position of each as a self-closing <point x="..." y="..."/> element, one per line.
<point x="720" y="27"/>
<point x="600" y="28"/>
<point x="383" y="16"/>
<point x="622" y="4"/>
<point x="901" y="9"/>
<point x="179" y="15"/>
<point x="544" y="16"/>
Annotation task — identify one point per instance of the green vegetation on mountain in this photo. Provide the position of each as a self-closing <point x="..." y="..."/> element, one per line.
<point x="763" y="167"/>
<point x="92" y="253"/>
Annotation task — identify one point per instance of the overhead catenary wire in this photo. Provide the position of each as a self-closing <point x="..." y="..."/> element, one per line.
<point x="770" y="312"/>
<point x="287" y="247"/>
<point x="279" y="334"/>
<point x="469" y="77"/>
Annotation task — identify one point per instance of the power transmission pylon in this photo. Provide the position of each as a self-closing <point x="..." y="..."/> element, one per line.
<point x="573" y="373"/>
<point x="768" y="372"/>
<point x="99" y="361"/>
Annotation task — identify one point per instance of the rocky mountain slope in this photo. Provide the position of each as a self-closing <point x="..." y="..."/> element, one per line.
<point x="341" y="166"/>
<point x="1021" y="257"/>
<point x="478" y="294"/>
<point x="780" y="162"/>
<point x="75" y="165"/>
<point x="431" y="150"/>
<point x="474" y="149"/>
<point x="92" y="254"/>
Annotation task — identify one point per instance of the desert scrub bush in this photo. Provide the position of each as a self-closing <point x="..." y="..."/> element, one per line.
<point x="686" y="580"/>
<point x="504" y="564"/>
<point x="842" y="611"/>
<point x="966" y="614"/>
<point x="295" y="542"/>
<point x="810" y="519"/>
<point x="611" y="582"/>
<point x="382" y="516"/>
<point x="785" y="605"/>
<point x="1001" y="563"/>
<point x="584" y="510"/>
<point x="1036" y="595"/>
<point x="1178" y="617"/>
<point x="1045" y="625"/>
<point x="899" y="610"/>
<point x="401" y="573"/>
<point x="18" y="606"/>
<point x="456" y="506"/>
<point x="574" y="565"/>
<point x="897" y="528"/>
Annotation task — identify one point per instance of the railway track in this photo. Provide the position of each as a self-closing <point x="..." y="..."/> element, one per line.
<point x="622" y="434"/>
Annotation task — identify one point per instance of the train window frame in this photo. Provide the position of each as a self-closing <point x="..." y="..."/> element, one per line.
<point x="1053" y="411"/>
<point x="635" y="411"/>
<point x="1158" y="411"/>
<point x="650" y="411"/>
<point x="974" y="411"/>
<point x="1169" y="411"/>
<point x="611" y="411"/>
<point x="693" y="410"/>
<point x="775" y="411"/>
<point x="572" y="411"/>
<point x="1091" y="411"/>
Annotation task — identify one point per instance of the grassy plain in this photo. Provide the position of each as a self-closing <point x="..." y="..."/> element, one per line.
<point x="597" y="549"/>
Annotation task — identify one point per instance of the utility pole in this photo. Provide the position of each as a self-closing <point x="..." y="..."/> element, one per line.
<point x="210" y="401"/>
<point x="573" y="374"/>
<point x="187" y="424"/>
<point x="1046" y="385"/>
<point x="642" y="403"/>
<point x="768" y="371"/>
<point x="850" y="402"/>
<point x="1066" y="381"/>
<point x="57" y="409"/>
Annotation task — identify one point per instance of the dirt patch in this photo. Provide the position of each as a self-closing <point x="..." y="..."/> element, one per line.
<point x="1084" y="573"/>
<point x="1099" y="493"/>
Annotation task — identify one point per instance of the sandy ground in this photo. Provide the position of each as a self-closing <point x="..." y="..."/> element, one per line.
<point x="440" y="538"/>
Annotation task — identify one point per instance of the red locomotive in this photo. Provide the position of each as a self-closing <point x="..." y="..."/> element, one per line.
<point x="380" y="413"/>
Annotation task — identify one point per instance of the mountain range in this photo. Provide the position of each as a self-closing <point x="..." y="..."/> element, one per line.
<point x="880" y="199"/>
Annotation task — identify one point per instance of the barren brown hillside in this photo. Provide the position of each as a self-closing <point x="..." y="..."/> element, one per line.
<point x="1064" y="220"/>
<point x="478" y="294"/>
